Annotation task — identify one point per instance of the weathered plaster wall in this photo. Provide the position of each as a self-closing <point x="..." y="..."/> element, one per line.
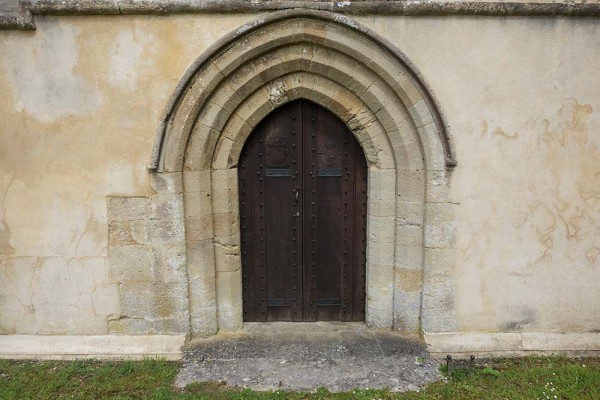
<point x="521" y="98"/>
<point x="82" y="97"/>
<point x="79" y="105"/>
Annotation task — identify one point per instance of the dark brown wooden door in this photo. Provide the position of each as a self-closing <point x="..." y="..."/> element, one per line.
<point x="303" y="201"/>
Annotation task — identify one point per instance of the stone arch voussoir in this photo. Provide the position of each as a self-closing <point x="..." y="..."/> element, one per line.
<point x="331" y="60"/>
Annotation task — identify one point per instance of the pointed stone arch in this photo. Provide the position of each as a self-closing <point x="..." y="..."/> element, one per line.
<point x="341" y="65"/>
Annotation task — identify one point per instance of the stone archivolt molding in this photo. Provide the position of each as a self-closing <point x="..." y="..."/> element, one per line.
<point x="9" y="19"/>
<point x="301" y="48"/>
<point x="339" y="64"/>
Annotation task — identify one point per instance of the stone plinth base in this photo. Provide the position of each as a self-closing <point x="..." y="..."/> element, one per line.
<point x="464" y="344"/>
<point x="104" y="347"/>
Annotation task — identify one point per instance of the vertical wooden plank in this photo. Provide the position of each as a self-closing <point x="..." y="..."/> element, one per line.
<point x="260" y="294"/>
<point x="247" y="231"/>
<point x="349" y="172"/>
<point x="359" y="256"/>
<point x="278" y="215"/>
<point x="309" y="170"/>
<point x="296" y="194"/>
<point x="330" y="225"/>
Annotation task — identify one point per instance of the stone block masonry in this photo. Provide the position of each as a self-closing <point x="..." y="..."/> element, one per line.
<point x="146" y="258"/>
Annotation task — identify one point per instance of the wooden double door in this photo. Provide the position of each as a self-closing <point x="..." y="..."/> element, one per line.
<point x="303" y="201"/>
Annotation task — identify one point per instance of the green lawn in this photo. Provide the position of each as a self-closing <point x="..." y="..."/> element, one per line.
<point x="532" y="378"/>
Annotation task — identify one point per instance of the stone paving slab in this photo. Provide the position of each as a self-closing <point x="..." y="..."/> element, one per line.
<point x="306" y="356"/>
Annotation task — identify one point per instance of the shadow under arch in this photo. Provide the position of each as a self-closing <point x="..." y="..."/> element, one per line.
<point x="342" y="66"/>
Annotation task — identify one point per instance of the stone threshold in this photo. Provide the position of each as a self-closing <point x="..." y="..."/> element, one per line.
<point x="308" y="355"/>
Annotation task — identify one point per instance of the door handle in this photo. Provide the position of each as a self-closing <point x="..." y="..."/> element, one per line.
<point x="297" y="195"/>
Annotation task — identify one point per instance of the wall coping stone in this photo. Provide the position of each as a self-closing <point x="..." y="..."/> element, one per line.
<point x="23" y="19"/>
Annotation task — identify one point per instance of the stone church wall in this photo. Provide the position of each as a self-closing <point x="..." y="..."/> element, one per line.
<point x="90" y="240"/>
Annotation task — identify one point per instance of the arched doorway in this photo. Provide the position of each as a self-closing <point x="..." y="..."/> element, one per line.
<point x="380" y="96"/>
<point x="302" y="180"/>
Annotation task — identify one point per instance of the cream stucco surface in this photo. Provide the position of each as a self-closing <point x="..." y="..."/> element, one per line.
<point x="80" y="103"/>
<point x="521" y="99"/>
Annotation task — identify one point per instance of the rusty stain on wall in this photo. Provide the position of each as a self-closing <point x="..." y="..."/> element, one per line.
<point x="537" y="219"/>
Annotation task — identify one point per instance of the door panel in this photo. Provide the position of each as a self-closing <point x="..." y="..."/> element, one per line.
<point x="302" y="182"/>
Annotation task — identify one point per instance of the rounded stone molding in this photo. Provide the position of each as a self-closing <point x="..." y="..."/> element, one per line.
<point x="258" y="41"/>
<point x="23" y="18"/>
<point x="339" y="64"/>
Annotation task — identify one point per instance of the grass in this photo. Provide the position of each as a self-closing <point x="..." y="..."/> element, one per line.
<point x="531" y="378"/>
